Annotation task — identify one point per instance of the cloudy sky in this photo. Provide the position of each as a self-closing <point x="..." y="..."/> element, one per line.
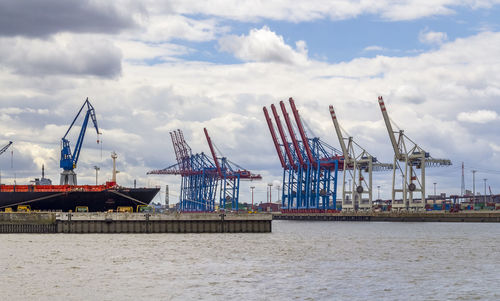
<point x="155" y="66"/>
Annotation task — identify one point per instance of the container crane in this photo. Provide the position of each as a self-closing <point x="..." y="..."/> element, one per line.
<point x="309" y="165"/>
<point x="230" y="175"/>
<point x="357" y="161"/>
<point x="408" y="157"/>
<point x="69" y="160"/>
<point x="199" y="178"/>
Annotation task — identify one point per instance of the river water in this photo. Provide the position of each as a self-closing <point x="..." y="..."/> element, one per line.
<point x="298" y="261"/>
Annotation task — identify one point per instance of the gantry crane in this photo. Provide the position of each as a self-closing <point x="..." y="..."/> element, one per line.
<point x="357" y="163"/>
<point x="69" y="160"/>
<point x="407" y="159"/>
<point x="199" y="179"/>
<point x="310" y="166"/>
<point x="230" y="175"/>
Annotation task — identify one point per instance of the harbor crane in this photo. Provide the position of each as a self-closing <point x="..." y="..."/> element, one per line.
<point x="230" y="175"/>
<point x="201" y="175"/>
<point x="408" y="157"/>
<point x="310" y="166"/>
<point x="69" y="160"/>
<point x="5" y="147"/>
<point x="198" y="176"/>
<point x="357" y="163"/>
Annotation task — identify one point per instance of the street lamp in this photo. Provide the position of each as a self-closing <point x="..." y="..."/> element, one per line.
<point x="278" y="190"/>
<point x="485" y="191"/>
<point x="252" y="188"/>
<point x="378" y="192"/>
<point x="474" y="186"/>
<point x="270" y="192"/>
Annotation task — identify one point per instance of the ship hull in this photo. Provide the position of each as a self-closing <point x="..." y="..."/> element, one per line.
<point x="96" y="201"/>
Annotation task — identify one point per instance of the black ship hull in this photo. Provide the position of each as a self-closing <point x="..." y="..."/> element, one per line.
<point x="96" y="201"/>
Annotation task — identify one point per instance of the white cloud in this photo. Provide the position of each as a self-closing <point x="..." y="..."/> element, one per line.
<point x="250" y="10"/>
<point x="162" y="28"/>
<point x="480" y="116"/>
<point x="373" y="48"/>
<point x="137" y="51"/>
<point x="264" y="45"/>
<point x="432" y="37"/>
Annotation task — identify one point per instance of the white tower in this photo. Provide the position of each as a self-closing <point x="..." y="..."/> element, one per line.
<point x="114" y="156"/>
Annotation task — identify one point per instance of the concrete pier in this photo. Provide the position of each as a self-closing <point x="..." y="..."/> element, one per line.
<point x="123" y="222"/>
<point x="433" y="216"/>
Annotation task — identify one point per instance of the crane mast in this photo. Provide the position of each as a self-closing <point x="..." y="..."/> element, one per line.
<point x="69" y="160"/>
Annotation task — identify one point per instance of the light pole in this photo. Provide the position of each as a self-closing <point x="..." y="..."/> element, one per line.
<point x="270" y="192"/>
<point x="252" y="188"/>
<point x="474" y="186"/>
<point x="96" y="172"/>
<point x="278" y="191"/>
<point x="485" y="191"/>
<point x="378" y="192"/>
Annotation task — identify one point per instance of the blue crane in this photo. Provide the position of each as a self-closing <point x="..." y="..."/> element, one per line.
<point x="68" y="159"/>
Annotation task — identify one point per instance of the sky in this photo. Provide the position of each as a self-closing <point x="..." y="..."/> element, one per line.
<point x="151" y="67"/>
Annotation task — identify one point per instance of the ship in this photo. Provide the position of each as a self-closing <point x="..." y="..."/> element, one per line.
<point x="41" y="195"/>
<point x="66" y="198"/>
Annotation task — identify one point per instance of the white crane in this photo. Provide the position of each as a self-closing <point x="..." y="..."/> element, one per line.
<point x="357" y="163"/>
<point x="407" y="160"/>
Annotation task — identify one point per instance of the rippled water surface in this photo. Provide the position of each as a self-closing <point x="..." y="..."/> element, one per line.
<point x="299" y="260"/>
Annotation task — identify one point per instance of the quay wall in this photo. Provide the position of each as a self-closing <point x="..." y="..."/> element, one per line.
<point x="473" y="216"/>
<point x="114" y="222"/>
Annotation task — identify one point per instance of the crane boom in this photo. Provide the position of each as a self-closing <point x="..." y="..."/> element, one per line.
<point x="5" y="147"/>
<point x="283" y="136"/>
<point x="210" y="145"/>
<point x="302" y="133"/>
<point x="275" y="139"/>
<point x="339" y="134"/>
<point x="178" y="155"/>
<point x="292" y="133"/>
<point x="388" y="125"/>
